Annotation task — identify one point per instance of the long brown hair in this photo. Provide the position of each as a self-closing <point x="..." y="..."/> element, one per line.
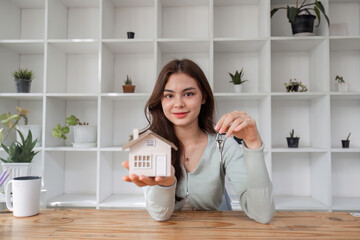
<point x="155" y="116"/>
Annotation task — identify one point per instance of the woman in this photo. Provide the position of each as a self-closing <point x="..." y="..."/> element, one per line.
<point x="181" y="109"/>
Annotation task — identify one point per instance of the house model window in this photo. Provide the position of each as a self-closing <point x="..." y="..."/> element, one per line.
<point x="150" y="143"/>
<point x="142" y="161"/>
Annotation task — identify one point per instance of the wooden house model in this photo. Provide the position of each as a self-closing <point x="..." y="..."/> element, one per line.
<point x="149" y="154"/>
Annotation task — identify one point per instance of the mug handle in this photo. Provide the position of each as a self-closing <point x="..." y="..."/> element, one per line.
<point x="9" y="205"/>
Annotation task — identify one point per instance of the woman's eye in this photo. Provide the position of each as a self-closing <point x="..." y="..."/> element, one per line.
<point x="188" y="94"/>
<point x="168" y="96"/>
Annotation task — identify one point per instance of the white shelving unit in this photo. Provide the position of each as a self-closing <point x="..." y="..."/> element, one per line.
<point x="80" y="54"/>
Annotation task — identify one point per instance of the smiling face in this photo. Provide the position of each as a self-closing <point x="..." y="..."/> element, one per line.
<point x="181" y="100"/>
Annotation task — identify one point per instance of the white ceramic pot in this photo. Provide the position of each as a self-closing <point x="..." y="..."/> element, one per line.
<point x="35" y="131"/>
<point x="343" y="87"/>
<point x="17" y="170"/>
<point x="85" y="136"/>
<point x="238" y="88"/>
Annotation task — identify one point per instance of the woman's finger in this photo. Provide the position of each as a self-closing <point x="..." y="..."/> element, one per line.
<point x="135" y="179"/>
<point x="148" y="180"/>
<point x="126" y="164"/>
<point x="235" y="124"/>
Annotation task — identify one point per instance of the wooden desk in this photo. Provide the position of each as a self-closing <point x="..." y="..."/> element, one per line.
<point x="137" y="224"/>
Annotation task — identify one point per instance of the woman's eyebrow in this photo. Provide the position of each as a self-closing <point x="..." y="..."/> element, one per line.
<point x="186" y="89"/>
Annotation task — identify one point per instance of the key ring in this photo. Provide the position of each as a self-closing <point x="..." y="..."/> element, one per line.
<point x="220" y="144"/>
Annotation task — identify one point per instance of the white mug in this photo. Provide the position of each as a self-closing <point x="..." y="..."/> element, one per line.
<point x="26" y="196"/>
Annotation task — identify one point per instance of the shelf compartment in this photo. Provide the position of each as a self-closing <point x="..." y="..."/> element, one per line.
<point x="73" y="68"/>
<point x="183" y="19"/>
<point x="70" y="179"/>
<point x="346" y="12"/>
<point x="122" y="16"/>
<point x="251" y="56"/>
<point x="197" y="51"/>
<point x="15" y="55"/>
<point x="308" y="117"/>
<point x="302" y="59"/>
<point x="35" y="117"/>
<point x="114" y="192"/>
<point x="240" y="19"/>
<point x="74" y="19"/>
<point x="120" y="59"/>
<point x="301" y="181"/>
<point x="341" y="125"/>
<point x="115" y="128"/>
<point x="345" y="174"/>
<point x="280" y="25"/>
<point x="27" y="19"/>
<point x="258" y="109"/>
<point x="345" y="61"/>
<point x="58" y="109"/>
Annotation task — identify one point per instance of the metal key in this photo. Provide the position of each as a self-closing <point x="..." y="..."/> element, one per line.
<point x="220" y="145"/>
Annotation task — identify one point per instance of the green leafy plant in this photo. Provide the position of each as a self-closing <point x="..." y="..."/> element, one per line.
<point x="1" y="134"/>
<point x="61" y="131"/>
<point x="11" y="120"/>
<point x="236" y="79"/>
<point x="293" y="86"/>
<point x="23" y="74"/>
<point x="339" y="79"/>
<point x="128" y="80"/>
<point x="20" y="152"/>
<point x="348" y="137"/>
<point x="304" y="8"/>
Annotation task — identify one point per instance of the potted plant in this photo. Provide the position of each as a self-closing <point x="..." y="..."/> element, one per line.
<point x="342" y="86"/>
<point x="346" y="142"/>
<point x="293" y="142"/>
<point x="294" y="85"/>
<point x="237" y="80"/>
<point x="20" y="155"/>
<point x="84" y="134"/>
<point x="128" y="87"/>
<point x="300" y="17"/>
<point x="11" y="121"/>
<point x="23" y="79"/>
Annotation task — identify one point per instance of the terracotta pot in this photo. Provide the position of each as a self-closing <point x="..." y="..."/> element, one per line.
<point x="128" y="88"/>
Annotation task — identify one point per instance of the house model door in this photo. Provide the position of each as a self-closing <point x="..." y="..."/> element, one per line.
<point x="160" y="163"/>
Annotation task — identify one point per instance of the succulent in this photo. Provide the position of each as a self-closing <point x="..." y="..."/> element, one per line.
<point x="293" y="85"/>
<point x="21" y="152"/>
<point x="23" y="74"/>
<point x="237" y="77"/>
<point x="128" y="80"/>
<point x="304" y="8"/>
<point x="347" y="139"/>
<point x="60" y="132"/>
<point x="339" y="79"/>
<point x="292" y="133"/>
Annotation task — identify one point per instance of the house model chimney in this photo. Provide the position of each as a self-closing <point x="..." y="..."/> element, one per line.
<point x="135" y="133"/>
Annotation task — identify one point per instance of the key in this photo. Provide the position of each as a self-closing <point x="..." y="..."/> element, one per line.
<point x="220" y="145"/>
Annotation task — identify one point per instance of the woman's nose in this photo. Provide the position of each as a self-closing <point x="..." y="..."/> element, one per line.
<point x="178" y="102"/>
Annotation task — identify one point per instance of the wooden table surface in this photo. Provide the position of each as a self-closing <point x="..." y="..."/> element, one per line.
<point x="137" y="224"/>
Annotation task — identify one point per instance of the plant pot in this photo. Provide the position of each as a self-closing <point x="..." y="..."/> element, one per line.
<point x="85" y="136"/>
<point x="303" y="25"/>
<point x="237" y="88"/>
<point x="128" y="88"/>
<point x="130" y="35"/>
<point x="23" y="85"/>
<point x="345" y="143"/>
<point x="17" y="170"/>
<point x="343" y="87"/>
<point x="35" y="131"/>
<point x="293" y="142"/>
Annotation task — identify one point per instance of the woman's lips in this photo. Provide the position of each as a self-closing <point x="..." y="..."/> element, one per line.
<point x="180" y="115"/>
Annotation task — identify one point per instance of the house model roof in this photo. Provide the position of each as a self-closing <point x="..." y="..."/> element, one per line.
<point x="144" y="135"/>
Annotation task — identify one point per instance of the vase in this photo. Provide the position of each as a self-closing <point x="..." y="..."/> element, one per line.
<point x="85" y="136"/>
<point x="237" y="88"/>
<point x="343" y="87"/>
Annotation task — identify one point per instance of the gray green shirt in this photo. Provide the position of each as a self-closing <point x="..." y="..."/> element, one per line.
<point x="204" y="186"/>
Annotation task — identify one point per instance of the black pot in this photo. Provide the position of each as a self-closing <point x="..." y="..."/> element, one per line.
<point x="23" y="85"/>
<point x="130" y="35"/>
<point x="292" y="88"/>
<point x="345" y="143"/>
<point x="303" y="24"/>
<point x="293" y="142"/>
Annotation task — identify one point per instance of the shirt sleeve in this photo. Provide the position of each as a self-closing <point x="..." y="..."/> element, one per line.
<point x="247" y="172"/>
<point x="160" y="201"/>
